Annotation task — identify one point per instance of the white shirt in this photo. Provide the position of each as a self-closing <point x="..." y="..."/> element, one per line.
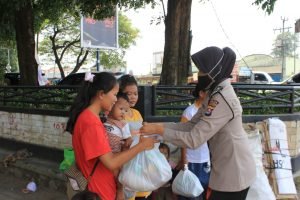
<point x="123" y="132"/>
<point x="200" y="154"/>
<point x="42" y="79"/>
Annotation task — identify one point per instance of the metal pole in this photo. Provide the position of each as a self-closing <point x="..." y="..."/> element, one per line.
<point x="8" y="67"/>
<point x="98" y="60"/>
<point x="283" y="48"/>
<point x="294" y="57"/>
<point x="8" y="59"/>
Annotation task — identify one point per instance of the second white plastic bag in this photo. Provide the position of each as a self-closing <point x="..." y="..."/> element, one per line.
<point x="187" y="184"/>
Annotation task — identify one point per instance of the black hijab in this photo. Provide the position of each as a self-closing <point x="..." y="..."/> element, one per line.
<point x="218" y="63"/>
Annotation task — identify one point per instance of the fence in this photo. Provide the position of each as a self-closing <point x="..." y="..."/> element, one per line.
<point x="156" y="103"/>
<point x="54" y="100"/>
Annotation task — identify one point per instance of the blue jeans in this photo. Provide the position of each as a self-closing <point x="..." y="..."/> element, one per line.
<point x="201" y="171"/>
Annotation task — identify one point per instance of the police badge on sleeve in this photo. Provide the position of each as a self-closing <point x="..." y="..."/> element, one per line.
<point x="212" y="104"/>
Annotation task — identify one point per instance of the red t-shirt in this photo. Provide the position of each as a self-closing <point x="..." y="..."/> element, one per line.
<point x="89" y="142"/>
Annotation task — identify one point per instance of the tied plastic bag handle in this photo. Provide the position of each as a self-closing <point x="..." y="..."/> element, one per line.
<point x="187" y="184"/>
<point x="185" y="167"/>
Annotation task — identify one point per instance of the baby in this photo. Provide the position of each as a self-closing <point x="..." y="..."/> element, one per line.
<point x="117" y="129"/>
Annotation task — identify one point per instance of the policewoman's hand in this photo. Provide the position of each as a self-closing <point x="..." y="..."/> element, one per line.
<point x="152" y="128"/>
<point x="147" y="142"/>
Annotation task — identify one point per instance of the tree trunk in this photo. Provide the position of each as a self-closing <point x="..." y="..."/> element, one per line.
<point x="176" y="61"/>
<point x="26" y="45"/>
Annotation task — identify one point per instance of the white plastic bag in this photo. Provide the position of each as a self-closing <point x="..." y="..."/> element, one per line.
<point x="260" y="189"/>
<point x="148" y="171"/>
<point x="187" y="184"/>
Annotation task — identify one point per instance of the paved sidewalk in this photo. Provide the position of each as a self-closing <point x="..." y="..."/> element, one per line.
<point x="11" y="189"/>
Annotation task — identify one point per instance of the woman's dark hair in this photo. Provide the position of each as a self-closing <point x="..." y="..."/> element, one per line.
<point x="104" y="81"/>
<point x="197" y="89"/>
<point x="86" y="195"/>
<point x="126" y="80"/>
<point x="122" y="95"/>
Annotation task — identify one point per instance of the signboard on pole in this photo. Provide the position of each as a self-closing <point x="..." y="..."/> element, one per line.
<point x="100" y="34"/>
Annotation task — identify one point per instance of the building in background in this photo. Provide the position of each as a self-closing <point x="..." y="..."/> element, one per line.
<point x="157" y="63"/>
<point x="271" y="65"/>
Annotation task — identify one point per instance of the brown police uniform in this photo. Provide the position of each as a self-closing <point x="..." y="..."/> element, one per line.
<point x="219" y="122"/>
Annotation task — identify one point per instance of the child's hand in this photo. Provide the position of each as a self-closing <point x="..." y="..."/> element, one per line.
<point x="181" y="164"/>
<point x="127" y="143"/>
<point x="147" y="142"/>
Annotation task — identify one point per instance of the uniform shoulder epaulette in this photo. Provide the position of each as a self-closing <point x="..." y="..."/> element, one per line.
<point x="216" y="90"/>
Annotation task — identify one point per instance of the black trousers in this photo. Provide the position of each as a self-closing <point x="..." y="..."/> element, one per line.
<point x="217" y="195"/>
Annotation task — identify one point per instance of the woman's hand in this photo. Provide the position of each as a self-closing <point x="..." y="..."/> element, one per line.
<point x="152" y="128"/>
<point x="147" y="142"/>
<point x="120" y="194"/>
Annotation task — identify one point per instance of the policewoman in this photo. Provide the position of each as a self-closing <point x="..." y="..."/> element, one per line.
<point x="219" y="122"/>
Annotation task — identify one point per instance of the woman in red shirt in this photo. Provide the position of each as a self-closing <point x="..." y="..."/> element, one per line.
<point x="89" y="139"/>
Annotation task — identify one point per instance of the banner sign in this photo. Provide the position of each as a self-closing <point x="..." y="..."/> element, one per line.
<point x="102" y="34"/>
<point x="281" y="157"/>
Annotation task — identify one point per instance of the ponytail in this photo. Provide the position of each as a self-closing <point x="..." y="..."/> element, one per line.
<point x="101" y="81"/>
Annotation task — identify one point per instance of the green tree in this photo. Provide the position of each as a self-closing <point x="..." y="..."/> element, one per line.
<point x="284" y="45"/>
<point x="23" y="18"/>
<point x="266" y="5"/>
<point x="17" y="19"/>
<point x="176" y="61"/>
<point x="63" y="41"/>
<point x="63" y="38"/>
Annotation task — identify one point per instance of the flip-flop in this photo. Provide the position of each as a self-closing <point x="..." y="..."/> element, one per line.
<point x="25" y="191"/>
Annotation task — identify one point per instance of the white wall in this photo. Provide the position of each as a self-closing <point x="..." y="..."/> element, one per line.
<point x="35" y="129"/>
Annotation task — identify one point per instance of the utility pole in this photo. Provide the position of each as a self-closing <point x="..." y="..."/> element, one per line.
<point x="98" y="60"/>
<point x="282" y="30"/>
<point x="8" y="67"/>
<point x="297" y="30"/>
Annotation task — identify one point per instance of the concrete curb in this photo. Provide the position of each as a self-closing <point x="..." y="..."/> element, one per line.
<point x="44" y="172"/>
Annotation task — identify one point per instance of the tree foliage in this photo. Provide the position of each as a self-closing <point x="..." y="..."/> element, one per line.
<point x="177" y="39"/>
<point x="266" y="5"/>
<point x="127" y="36"/>
<point x="284" y="45"/>
<point x="21" y="19"/>
<point x="62" y="40"/>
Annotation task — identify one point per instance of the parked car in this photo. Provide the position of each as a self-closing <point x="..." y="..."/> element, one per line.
<point x="294" y="79"/>
<point x="77" y="78"/>
<point x="12" y="78"/>
<point x="256" y="77"/>
<point x="261" y="78"/>
<point x="72" y="79"/>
